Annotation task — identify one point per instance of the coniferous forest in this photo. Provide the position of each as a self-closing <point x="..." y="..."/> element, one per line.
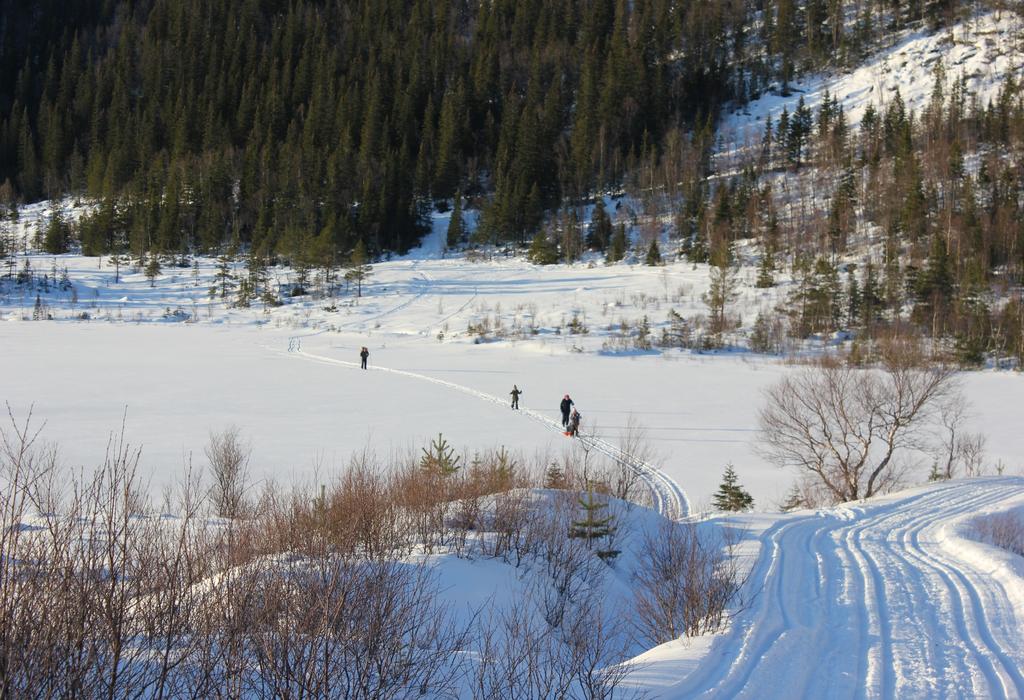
<point x="296" y="130"/>
<point x="299" y="127"/>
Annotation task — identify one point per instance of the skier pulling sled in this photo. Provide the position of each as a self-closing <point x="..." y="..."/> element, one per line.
<point x="564" y="407"/>
<point x="574" y="424"/>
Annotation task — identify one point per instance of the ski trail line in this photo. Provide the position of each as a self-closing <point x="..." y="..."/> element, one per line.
<point x="669" y="498"/>
<point x="872" y="600"/>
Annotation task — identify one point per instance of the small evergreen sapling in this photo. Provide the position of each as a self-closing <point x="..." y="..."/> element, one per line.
<point x="440" y="458"/>
<point x="594" y="525"/>
<point x="731" y="496"/>
<point x="554" y="477"/>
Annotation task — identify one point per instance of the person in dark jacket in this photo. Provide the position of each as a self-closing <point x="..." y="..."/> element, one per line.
<point x="565" y="406"/>
<point x="574" y="423"/>
<point x="364" y="354"/>
<point x="515" y="396"/>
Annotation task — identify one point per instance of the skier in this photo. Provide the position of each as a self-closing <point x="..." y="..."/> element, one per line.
<point x="574" y="423"/>
<point x="364" y="354"/>
<point x="565" y="406"/>
<point x="515" y="396"/>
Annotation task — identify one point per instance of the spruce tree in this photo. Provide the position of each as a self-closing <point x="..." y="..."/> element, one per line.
<point x="794" y="500"/>
<point x="617" y="249"/>
<point x="730" y="495"/>
<point x="653" y="258"/>
<point x="152" y="268"/>
<point x="600" y="234"/>
<point x="224" y="278"/>
<point x="554" y="477"/>
<point x="58" y="235"/>
<point x="358" y="269"/>
<point x="456" y="225"/>
<point x="542" y="250"/>
<point x="440" y="459"/>
<point x="594" y="525"/>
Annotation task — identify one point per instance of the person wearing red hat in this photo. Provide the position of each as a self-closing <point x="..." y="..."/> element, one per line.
<point x="566" y="406"/>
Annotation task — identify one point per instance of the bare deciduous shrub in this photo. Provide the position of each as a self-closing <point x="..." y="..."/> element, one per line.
<point x="521" y="657"/>
<point x="229" y="460"/>
<point x="311" y="595"/>
<point x="626" y="483"/>
<point x="846" y="427"/>
<point x="1005" y="530"/>
<point x="686" y="581"/>
<point x="956" y="450"/>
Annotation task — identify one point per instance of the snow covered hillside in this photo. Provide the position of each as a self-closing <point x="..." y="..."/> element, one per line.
<point x="984" y="51"/>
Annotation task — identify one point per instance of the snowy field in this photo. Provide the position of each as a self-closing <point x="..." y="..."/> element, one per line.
<point x="289" y="378"/>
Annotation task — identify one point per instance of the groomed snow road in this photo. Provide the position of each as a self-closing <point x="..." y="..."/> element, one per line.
<point x="873" y="601"/>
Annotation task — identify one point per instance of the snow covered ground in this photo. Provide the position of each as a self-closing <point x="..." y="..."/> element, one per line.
<point x="887" y="598"/>
<point x="177" y="364"/>
<point x="882" y="599"/>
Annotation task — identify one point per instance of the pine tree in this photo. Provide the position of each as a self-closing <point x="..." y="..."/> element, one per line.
<point x="58" y="235"/>
<point x="721" y="292"/>
<point x="153" y="268"/>
<point x="766" y="269"/>
<point x="440" y="459"/>
<point x="542" y="250"/>
<point x="600" y="234"/>
<point x="554" y="477"/>
<point x="358" y="269"/>
<point x="617" y="249"/>
<point x="504" y="469"/>
<point x="730" y="495"/>
<point x="456" y="225"/>
<point x="594" y="525"/>
<point x="572" y="241"/>
<point x="653" y="258"/>
<point x="853" y="296"/>
<point x="224" y="278"/>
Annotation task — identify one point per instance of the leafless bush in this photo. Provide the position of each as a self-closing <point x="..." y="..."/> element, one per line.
<point x="625" y="482"/>
<point x="229" y="460"/>
<point x="521" y="656"/>
<point x="686" y="581"/>
<point x="846" y="427"/>
<point x="308" y="596"/>
<point x="1005" y="530"/>
<point x="954" y="449"/>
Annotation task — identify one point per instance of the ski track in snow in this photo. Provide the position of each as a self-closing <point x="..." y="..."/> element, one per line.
<point x="871" y="601"/>
<point x="669" y="498"/>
